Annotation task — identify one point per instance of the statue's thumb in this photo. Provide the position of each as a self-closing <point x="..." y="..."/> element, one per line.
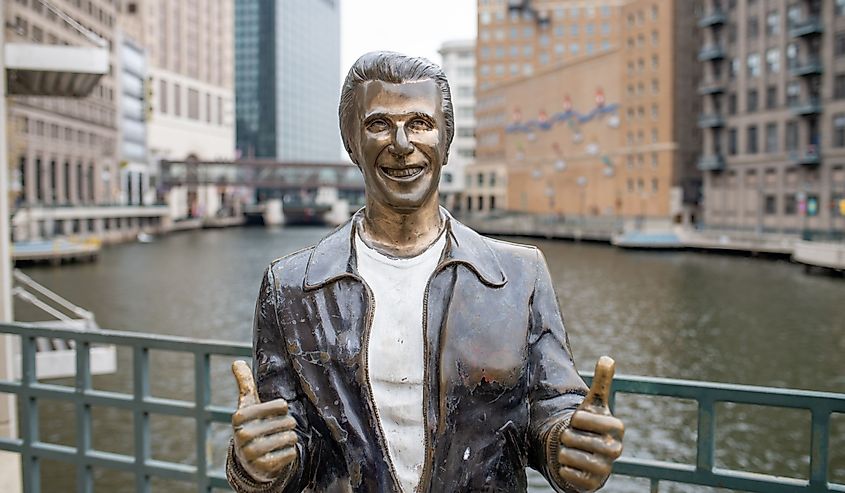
<point x="247" y="393"/>
<point x="599" y="395"/>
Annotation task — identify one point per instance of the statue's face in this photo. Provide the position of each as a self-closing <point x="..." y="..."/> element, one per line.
<point x="402" y="142"/>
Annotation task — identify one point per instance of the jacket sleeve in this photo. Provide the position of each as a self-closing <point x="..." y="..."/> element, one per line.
<point x="555" y="388"/>
<point x="275" y="379"/>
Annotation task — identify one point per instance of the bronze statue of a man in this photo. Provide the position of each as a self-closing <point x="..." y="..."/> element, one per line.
<point x="405" y="352"/>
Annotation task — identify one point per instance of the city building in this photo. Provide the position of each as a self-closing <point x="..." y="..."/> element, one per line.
<point x="65" y="151"/>
<point x="584" y="109"/>
<point x="190" y="81"/>
<point x="458" y="62"/>
<point x="135" y="166"/>
<point x="773" y="115"/>
<point x="287" y="76"/>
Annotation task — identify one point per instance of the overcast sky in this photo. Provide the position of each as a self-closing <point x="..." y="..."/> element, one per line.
<point x="415" y="27"/>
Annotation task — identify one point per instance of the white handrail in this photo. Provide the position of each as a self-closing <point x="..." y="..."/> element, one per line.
<point x="29" y="282"/>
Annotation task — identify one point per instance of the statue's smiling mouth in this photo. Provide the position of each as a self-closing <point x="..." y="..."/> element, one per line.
<point x="406" y="173"/>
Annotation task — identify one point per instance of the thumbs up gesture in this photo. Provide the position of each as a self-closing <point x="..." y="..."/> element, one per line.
<point x="593" y="439"/>
<point x="265" y="442"/>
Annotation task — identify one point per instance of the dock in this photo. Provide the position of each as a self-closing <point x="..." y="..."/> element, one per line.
<point x="56" y="251"/>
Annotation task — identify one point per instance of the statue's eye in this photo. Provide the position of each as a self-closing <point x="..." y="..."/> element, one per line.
<point x="419" y="124"/>
<point x="377" y="125"/>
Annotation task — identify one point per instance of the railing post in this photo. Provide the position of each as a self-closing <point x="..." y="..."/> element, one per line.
<point x="202" y="389"/>
<point x="819" y="447"/>
<point x="29" y="418"/>
<point x="84" y="478"/>
<point x="706" y="434"/>
<point x="141" y="419"/>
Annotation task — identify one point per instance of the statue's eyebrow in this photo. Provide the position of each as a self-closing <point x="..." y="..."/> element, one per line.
<point x="389" y="116"/>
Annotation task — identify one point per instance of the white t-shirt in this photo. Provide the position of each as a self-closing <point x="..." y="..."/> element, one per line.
<point x="395" y="354"/>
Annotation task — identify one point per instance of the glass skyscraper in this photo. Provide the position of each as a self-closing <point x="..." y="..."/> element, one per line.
<point x="287" y="79"/>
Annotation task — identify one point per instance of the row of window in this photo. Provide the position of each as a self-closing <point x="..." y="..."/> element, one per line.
<point x="772" y="100"/>
<point x="46" y="175"/>
<point x="559" y="13"/>
<point x="791" y="204"/>
<point x="198" y="104"/>
<point x="41" y="128"/>
<point x="772" y="139"/>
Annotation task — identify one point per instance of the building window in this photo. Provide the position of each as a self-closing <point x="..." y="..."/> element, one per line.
<point x="753" y="64"/>
<point x="751" y="143"/>
<point x="791" y="55"/>
<point x="751" y="103"/>
<point x="733" y="69"/>
<point x="793" y="93"/>
<point x="177" y="100"/>
<point x="773" y="23"/>
<point x="771" y="137"/>
<point x="771" y="97"/>
<point x="839" y="86"/>
<point x="753" y="26"/>
<point x="839" y="130"/>
<point x="732" y="104"/>
<point x="839" y="44"/>
<point x="492" y="201"/>
<point x="772" y="61"/>
<point x="732" y="141"/>
<point x="771" y="204"/>
<point x="193" y="104"/>
<point x="791" y="136"/>
<point x="790" y="205"/>
<point x="840" y="7"/>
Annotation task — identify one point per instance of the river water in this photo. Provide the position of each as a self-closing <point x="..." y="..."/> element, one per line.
<point x="668" y="314"/>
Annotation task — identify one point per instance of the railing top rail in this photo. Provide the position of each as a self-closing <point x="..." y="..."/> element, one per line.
<point x="152" y="341"/>
<point x="691" y="389"/>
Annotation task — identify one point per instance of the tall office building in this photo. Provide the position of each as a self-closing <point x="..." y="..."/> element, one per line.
<point x="584" y="108"/>
<point x="459" y="66"/>
<point x="774" y="115"/>
<point x="288" y="79"/>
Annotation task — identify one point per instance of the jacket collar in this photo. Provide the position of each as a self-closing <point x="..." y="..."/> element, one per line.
<point x="334" y="256"/>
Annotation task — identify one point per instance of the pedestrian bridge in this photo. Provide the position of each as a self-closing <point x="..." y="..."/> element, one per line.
<point x="197" y="407"/>
<point x="262" y="173"/>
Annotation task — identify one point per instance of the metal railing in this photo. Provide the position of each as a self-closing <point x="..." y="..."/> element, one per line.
<point x="142" y="405"/>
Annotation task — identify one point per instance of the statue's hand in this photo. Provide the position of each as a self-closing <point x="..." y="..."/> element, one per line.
<point x="265" y="442"/>
<point x="593" y="439"/>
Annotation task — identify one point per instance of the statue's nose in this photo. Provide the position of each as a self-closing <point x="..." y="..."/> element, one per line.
<point x="401" y="146"/>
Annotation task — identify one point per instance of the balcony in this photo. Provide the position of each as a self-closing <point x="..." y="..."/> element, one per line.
<point x="806" y="68"/>
<point x="808" y="157"/>
<point x="711" y="52"/>
<point x="808" y="27"/>
<point x="711" y="87"/>
<point x="810" y="107"/>
<point x="54" y="70"/>
<point x="713" y="162"/>
<point x="715" y="18"/>
<point x="711" y="120"/>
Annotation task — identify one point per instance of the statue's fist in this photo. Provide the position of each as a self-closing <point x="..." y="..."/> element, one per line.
<point x="593" y="439"/>
<point x="265" y="442"/>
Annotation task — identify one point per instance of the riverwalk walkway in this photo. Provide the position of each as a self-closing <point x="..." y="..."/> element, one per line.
<point x="657" y="235"/>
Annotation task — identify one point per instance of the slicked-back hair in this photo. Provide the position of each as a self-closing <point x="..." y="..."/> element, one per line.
<point x="395" y="68"/>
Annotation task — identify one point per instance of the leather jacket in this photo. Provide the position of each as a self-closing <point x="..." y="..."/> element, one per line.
<point x="499" y="374"/>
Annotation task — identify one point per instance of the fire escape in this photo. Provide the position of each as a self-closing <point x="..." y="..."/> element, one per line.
<point x="808" y="68"/>
<point x="712" y="88"/>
